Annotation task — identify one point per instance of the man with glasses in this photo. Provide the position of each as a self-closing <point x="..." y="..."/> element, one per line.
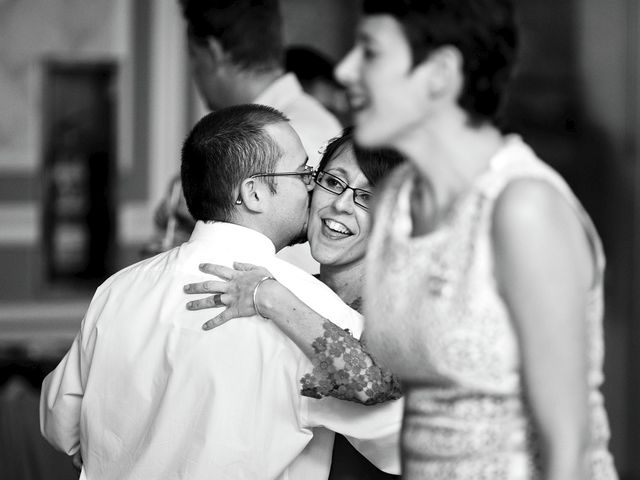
<point x="145" y="393"/>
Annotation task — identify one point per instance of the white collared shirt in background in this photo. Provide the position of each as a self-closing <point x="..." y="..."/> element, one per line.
<point x="313" y="123"/>
<point x="145" y="393"/>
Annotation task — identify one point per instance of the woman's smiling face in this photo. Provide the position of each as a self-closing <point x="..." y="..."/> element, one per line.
<point x="339" y="229"/>
<point x="384" y="91"/>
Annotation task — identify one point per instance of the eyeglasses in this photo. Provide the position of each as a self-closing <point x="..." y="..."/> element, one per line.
<point x="337" y="186"/>
<point x="306" y="175"/>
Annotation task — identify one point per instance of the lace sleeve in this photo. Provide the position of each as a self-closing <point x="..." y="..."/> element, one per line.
<point x="342" y="368"/>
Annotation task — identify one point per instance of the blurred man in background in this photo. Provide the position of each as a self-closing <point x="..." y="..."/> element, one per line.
<point x="236" y="50"/>
<point x="314" y="70"/>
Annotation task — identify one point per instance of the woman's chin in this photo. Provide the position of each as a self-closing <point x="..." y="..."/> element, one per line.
<point x="367" y="134"/>
<point x="326" y="254"/>
<point x="321" y="256"/>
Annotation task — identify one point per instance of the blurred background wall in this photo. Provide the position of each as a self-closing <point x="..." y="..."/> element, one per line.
<point x="95" y="100"/>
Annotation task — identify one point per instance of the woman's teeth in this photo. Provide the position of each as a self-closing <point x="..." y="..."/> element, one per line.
<point x="337" y="227"/>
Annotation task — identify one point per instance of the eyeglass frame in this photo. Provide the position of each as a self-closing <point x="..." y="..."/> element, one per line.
<point x="344" y="184"/>
<point x="308" y="172"/>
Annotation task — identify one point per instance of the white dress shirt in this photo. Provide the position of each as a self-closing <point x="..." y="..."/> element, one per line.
<point x="145" y="393"/>
<point x="315" y="126"/>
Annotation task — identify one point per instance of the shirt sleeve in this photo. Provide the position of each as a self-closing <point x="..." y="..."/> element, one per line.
<point x="344" y="369"/>
<point x="373" y="430"/>
<point x="63" y="390"/>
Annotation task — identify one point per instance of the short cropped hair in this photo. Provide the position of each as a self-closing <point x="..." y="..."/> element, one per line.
<point x="224" y="148"/>
<point x="249" y="30"/>
<point x="374" y="163"/>
<point x="483" y="31"/>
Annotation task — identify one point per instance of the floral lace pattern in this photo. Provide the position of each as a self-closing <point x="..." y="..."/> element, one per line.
<point x="342" y="368"/>
<point x="452" y="340"/>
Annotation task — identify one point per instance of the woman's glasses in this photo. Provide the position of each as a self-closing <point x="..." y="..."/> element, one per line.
<point x="337" y="186"/>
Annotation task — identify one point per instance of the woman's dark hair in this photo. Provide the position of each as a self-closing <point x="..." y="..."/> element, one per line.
<point x="374" y="163"/>
<point x="484" y="33"/>
<point x="309" y="65"/>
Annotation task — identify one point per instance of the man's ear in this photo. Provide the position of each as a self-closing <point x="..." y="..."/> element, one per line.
<point x="215" y="49"/>
<point x="209" y="50"/>
<point x="254" y="195"/>
<point x="441" y="73"/>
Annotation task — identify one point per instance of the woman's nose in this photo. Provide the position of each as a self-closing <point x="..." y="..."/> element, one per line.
<point x="344" y="202"/>
<point x="345" y="71"/>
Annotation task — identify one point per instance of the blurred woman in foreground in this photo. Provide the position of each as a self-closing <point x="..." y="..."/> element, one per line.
<point x="484" y="275"/>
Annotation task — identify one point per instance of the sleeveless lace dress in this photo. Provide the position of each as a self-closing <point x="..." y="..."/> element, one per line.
<point x="435" y="318"/>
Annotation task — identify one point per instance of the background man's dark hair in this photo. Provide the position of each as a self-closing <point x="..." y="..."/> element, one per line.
<point x="374" y="163"/>
<point x="309" y="65"/>
<point x="483" y="31"/>
<point x="224" y="148"/>
<point x="250" y="31"/>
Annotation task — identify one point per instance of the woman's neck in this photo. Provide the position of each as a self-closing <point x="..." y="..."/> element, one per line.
<point x="346" y="282"/>
<point x="450" y="154"/>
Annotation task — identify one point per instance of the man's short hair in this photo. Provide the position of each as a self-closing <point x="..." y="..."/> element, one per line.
<point x="224" y="148"/>
<point x="250" y="31"/>
<point x="483" y="31"/>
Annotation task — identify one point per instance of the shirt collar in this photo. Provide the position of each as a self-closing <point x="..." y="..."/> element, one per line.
<point x="233" y="237"/>
<point x="281" y="92"/>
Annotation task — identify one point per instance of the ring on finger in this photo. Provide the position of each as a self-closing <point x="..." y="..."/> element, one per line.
<point x="217" y="301"/>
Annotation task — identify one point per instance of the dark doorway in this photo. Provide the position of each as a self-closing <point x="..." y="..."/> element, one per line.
<point x="78" y="209"/>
